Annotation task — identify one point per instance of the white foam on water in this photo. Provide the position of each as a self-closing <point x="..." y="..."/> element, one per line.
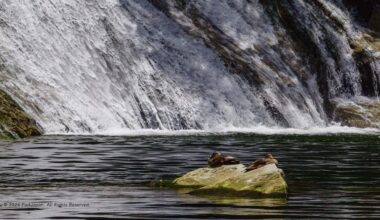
<point x="260" y="130"/>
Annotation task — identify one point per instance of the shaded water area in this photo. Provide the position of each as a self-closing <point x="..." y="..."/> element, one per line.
<point x="329" y="176"/>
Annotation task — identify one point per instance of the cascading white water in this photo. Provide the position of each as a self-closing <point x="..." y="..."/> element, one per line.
<point x="91" y="66"/>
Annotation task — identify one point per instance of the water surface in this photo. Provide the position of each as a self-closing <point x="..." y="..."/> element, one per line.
<point x="92" y="177"/>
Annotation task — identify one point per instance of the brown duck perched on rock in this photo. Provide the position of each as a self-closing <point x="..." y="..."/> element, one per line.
<point x="267" y="159"/>
<point x="218" y="159"/>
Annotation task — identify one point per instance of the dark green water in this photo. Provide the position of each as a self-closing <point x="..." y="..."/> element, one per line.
<point x="334" y="176"/>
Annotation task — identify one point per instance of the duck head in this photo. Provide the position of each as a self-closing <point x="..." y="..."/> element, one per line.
<point x="215" y="155"/>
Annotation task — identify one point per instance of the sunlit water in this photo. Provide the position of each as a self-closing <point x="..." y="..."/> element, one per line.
<point x="329" y="176"/>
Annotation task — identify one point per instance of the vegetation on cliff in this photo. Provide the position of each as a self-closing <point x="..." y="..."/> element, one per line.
<point x="14" y="122"/>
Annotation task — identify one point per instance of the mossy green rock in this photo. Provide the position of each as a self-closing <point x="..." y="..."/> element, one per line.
<point x="14" y="122"/>
<point x="206" y="176"/>
<point x="234" y="181"/>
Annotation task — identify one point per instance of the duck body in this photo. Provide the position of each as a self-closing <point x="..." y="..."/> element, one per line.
<point x="218" y="159"/>
<point x="267" y="159"/>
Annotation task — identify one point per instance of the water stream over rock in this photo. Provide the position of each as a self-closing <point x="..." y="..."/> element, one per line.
<point x="92" y="66"/>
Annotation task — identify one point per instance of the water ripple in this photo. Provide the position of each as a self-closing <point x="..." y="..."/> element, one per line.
<point x="329" y="176"/>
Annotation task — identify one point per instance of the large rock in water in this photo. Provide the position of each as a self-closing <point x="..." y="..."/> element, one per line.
<point x="232" y="180"/>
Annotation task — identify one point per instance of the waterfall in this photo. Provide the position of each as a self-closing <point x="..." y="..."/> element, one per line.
<point x="91" y="66"/>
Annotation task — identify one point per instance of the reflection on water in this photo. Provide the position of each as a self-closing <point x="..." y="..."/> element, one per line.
<point x="109" y="177"/>
<point x="239" y="201"/>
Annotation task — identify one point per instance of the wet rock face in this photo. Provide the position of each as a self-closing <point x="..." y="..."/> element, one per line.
<point x="366" y="53"/>
<point x="374" y="22"/>
<point x="367" y="12"/>
<point x="254" y="43"/>
<point x="313" y="43"/>
<point x="361" y="113"/>
<point x="14" y="122"/>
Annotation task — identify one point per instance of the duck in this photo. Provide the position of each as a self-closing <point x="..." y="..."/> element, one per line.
<point x="267" y="159"/>
<point x="217" y="159"/>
